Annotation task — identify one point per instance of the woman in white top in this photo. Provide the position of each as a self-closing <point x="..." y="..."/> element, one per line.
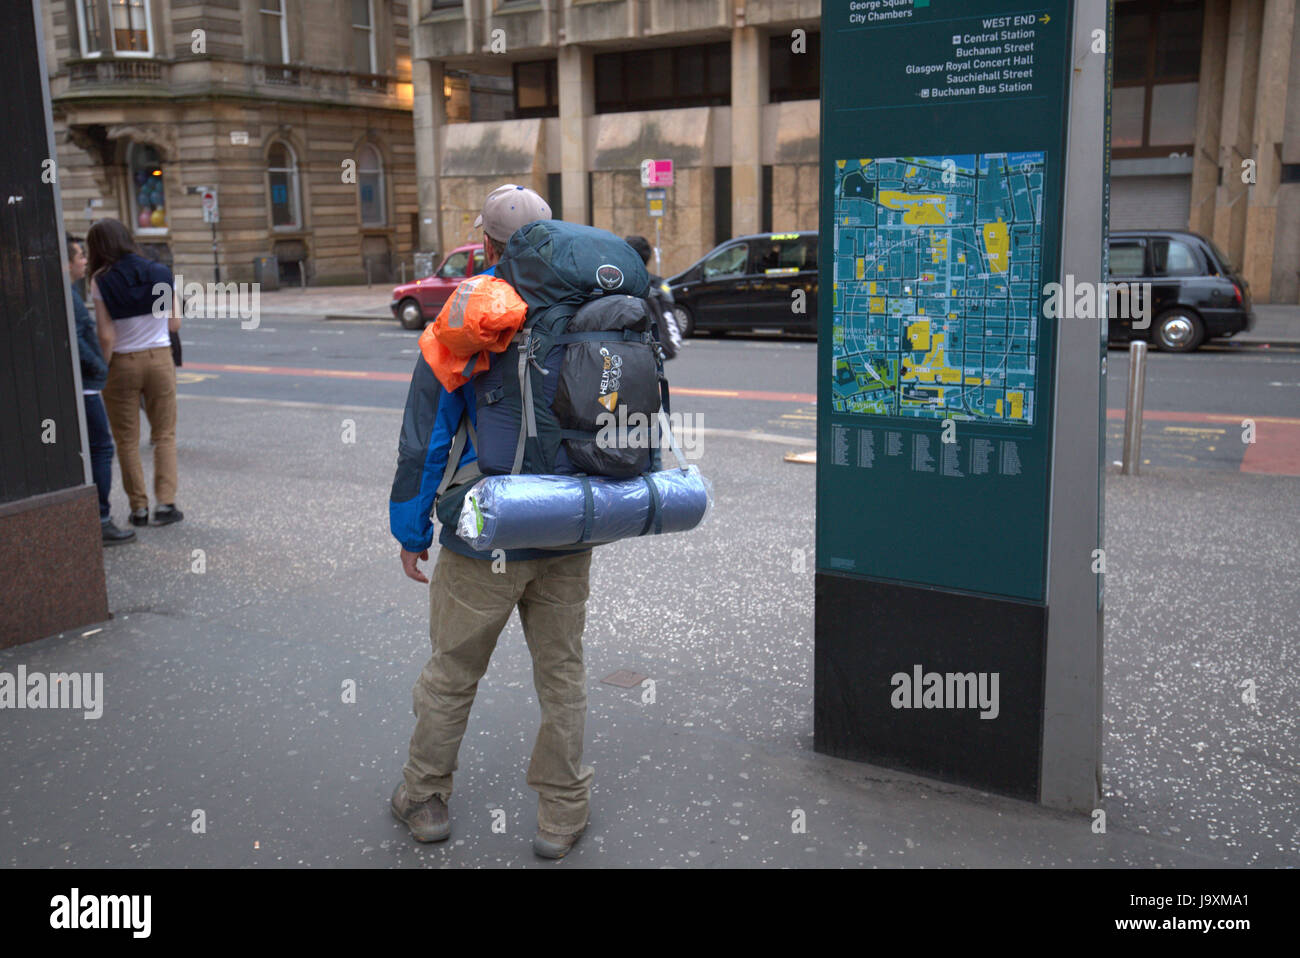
<point x="134" y="333"/>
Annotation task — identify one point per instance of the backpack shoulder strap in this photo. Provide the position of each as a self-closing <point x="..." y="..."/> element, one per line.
<point x="453" y="472"/>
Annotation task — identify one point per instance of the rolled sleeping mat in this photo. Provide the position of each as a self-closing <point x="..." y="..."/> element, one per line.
<point x="552" y="512"/>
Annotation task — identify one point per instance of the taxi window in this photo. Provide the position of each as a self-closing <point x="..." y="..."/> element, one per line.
<point x="727" y="262"/>
<point x="784" y="253"/>
<point x="1126" y="259"/>
<point x="478" y="261"/>
<point x="1172" y="258"/>
<point x="454" y="265"/>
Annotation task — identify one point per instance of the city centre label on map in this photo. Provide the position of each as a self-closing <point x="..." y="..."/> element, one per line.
<point x="936" y="286"/>
<point x="943" y="138"/>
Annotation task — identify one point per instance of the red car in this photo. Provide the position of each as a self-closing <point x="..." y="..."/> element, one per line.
<point x="417" y="303"/>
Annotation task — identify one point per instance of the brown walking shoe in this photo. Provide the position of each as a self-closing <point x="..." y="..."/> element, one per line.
<point x="550" y="845"/>
<point x="427" y="820"/>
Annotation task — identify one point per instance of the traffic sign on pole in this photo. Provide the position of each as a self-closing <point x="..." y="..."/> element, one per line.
<point x="211" y="210"/>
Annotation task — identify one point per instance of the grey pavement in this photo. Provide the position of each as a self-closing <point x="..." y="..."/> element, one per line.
<point x="1276" y="324"/>
<point x="223" y="689"/>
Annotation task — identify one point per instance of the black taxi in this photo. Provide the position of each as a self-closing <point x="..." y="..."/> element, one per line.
<point x="763" y="281"/>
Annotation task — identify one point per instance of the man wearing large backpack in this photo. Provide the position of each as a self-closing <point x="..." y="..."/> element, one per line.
<point x="472" y="594"/>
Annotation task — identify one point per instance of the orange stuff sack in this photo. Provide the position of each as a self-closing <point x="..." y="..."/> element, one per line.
<point x="480" y="318"/>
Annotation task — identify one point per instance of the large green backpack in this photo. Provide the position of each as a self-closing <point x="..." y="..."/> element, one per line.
<point x="559" y="269"/>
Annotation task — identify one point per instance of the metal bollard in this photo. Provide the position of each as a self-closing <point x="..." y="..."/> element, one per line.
<point x="403" y="272"/>
<point x="367" y="270"/>
<point x="302" y="275"/>
<point x="1137" y="380"/>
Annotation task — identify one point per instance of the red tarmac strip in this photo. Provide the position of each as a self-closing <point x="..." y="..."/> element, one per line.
<point x="376" y="376"/>
<point x="1276" y="448"/>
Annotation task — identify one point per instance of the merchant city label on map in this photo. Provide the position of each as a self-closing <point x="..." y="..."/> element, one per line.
<point x="937" y="278"/>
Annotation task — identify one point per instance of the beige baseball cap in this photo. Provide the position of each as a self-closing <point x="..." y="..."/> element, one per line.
<point x="509" y="207"/>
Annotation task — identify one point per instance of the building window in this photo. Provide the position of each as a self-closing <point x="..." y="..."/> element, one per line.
<point x="148" y="204"/>
<point x="1157" y="68"/>
<point x="282" y="184"/>
<point x="721" y="204"/>
<point x="663" y="79"/>
<point x="536" y="89"/>
<point x="275" y="34"/>
<point x="363" y="36"/>
<point x="370" y="186"/>
<point x="555" y="194"/>
<point x="490" y="97"/>
<point x="88" y="20"/>
<point x="130" y="23"/>
<point x="794" y="76"/>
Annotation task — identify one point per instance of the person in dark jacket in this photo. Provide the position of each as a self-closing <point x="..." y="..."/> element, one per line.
<point x="667" y="330"/>
<point x="135" y="339"/>
<point x="94" y="371"/>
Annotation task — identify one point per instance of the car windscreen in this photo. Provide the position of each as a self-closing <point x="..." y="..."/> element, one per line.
<point x="454" y="266"/>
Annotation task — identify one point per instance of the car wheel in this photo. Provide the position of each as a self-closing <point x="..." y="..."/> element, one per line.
<point x="410" y="314"/>
<point x="685" y="321"/>
<point x="1178" y="331"/>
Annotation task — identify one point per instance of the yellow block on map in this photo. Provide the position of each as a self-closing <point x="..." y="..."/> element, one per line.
<point x="876" y="303"/>
<point x="998" y="407"/>
<point x="1017" y="404"/>
<point x="861" y="266"/>
<point x="919" y="334"/>
<point x="997" y="244"/>
<point x="919" y="209"/>
<point x="950" y="376"/>
<point x="840" y="163"/>
<point x="872" y="288"/>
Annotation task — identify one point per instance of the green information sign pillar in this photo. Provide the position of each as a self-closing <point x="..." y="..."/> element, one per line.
<point x="960" y="440"/>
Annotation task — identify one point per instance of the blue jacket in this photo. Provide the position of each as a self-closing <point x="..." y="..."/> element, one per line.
<point x="429" y="425"/>
<point x="127" y="287"/>
<point x="94" y="371"/>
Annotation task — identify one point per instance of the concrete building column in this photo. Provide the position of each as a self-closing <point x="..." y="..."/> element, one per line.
<point x="428" y="117"/>
<point x="1209" y="110"/>
<point x="577" y="103"/>
<point x="1237" y="127"/>
<point x="1270" y="122"/>
<point x="749" y="84"/>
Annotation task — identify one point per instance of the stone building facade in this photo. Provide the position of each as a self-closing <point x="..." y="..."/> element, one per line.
<point x="297" y="111"/>
<point x="568" y="96"/>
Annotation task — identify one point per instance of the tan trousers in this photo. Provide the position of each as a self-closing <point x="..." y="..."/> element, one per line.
<point x="469" y="605"/>
<point x="152" y="374"/>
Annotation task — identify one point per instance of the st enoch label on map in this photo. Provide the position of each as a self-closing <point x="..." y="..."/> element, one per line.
<point x="936" y="286"/>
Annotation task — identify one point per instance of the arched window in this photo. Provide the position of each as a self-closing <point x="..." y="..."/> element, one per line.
<point x="148" y="205"/>
<point x="282" y="180"/>
<point x="370" y="186"/>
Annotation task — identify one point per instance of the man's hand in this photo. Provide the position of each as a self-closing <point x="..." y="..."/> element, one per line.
<point x="409" y="560"/>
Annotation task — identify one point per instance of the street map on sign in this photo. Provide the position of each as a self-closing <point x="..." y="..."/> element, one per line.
<point x="936" y="286"/>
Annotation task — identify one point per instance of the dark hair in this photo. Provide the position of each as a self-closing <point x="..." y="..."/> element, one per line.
<point x="107" y="242"/>
<point x="73" y="243"/>
<point x="641" y="245"/>
<point x="498" y="247"/>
